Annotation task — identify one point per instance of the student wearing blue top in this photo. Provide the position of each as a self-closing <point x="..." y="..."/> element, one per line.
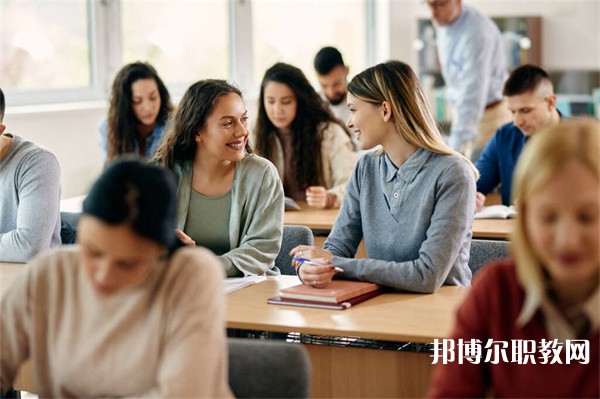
<point x="530" y="98"/>
<point x="471" y="56"/>
<point x="229" y="200"/>
<point x="139" y="109"/>
<point x="412" y="202"/>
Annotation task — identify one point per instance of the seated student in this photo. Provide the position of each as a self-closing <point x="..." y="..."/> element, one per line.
<point x="413" y="202"/>
<point x="230" y="200"/>
<point x="123" y="313"/>
<point x="29" y="199"/>
<point x="295" y="130"/>
<point x="549" y="290"/>
<point x="139" y="109"/>
<point x="531" y="100"/>
<point x="332" y="74"/>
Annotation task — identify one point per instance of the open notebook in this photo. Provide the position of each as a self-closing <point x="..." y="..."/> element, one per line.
<point x="497" y="212"/>
<point x="237" y="283"/>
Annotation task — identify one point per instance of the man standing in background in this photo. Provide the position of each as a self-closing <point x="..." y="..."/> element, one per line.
<point x="474" y="70"/>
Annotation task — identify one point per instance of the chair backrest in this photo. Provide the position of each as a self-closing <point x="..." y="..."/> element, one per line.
<point x="292" y="236"/>
<point x="484" y="251"/>
<point x="68" y="227"/>
<point x="268" y="369"/>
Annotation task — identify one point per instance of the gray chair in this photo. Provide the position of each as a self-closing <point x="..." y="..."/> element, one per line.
<point x="484" y="251"/>
<point x="268" y="369"/>
<point x="292" y="236"/>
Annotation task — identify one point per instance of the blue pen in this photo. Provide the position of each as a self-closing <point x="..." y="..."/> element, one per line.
<point x="310" y="262"/>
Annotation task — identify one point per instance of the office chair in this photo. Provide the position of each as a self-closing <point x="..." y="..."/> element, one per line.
<point x="292" y="237"/>
<point x="268" y="369"/>
<point x="484" y="251"/>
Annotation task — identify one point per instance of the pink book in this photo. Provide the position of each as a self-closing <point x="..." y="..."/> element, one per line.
<point x="278" y="300"/>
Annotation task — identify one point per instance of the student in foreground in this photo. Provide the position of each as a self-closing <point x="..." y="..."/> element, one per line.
<point x="413" y="202"/>
<point x="139" y="109"/>
<point x="298" y="133"/>
<point x="124" y="313"/>
<point x="230" y="200"/>
<point x="548" y="292"/>
<point x="29" y="197"/>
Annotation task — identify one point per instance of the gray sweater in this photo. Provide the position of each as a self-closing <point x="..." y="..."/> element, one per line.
<point x="416" y="222"/>
<point x="29" y="201"/>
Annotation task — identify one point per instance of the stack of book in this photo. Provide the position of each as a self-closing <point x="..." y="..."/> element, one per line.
<point x="337" y="295"/>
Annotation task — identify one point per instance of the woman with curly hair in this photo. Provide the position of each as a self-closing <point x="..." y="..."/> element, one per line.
<point x="139" y="109"/>
<point x="296" y="131"/>
<point x="229" y="200"/>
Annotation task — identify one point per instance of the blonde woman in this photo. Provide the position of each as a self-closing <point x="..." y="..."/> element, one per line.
<point x="549" y="290"/>
<point x="413" y="202"/>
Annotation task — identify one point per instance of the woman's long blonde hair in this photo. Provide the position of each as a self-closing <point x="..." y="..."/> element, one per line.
<point x="544" y="155"/>
<point x="395" y="82"/>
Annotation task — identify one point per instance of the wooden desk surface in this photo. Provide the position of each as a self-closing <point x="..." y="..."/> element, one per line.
<point x="323" y="219"/>
<point x="392" y="316"/>
<point x="8" y="273"/>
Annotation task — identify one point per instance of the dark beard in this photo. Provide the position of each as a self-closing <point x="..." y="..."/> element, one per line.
<point x="337" y="101"/>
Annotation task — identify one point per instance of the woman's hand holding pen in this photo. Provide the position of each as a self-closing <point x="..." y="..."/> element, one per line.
<point x="313" y="265"/>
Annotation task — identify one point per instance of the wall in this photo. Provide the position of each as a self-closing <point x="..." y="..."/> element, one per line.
<point x="68" y="132"/>
<point x="570" y="29"/>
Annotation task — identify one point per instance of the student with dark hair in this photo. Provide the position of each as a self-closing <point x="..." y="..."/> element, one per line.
<point x="140" y="105"/>
<point x="532" y="102"/>
<point x="542" y="307"/>
<point x="29" y="199"/>
<point x="124" y="302"/>
<point x="295" y="130"/>
<point x="230" y="200"/>
<point x="412" y="201"/>
<point x="332" y="74"/>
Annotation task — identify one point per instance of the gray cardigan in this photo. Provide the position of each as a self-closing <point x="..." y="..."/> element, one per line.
<point x="29" y="201"/>
<point x="416" y="222"/>
<point x="256" y="221"/>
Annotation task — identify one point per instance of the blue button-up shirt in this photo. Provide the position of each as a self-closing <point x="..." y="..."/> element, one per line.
<point x="474" y="70"/>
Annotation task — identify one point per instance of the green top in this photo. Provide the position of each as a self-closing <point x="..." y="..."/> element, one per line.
<point x="208" y="221"/>
<point x="256" y="218"/>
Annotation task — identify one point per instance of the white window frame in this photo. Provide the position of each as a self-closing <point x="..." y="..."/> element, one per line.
<point x="105" y="55"/>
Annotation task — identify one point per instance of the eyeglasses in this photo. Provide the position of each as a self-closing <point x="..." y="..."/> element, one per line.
<point x="437" y="4"/>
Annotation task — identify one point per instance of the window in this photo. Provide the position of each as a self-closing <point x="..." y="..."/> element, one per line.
<point x="185" y="41"/>
<point x="45" y="45"/>
<point x="293" y="31"/>
<point x="58" y="51"/>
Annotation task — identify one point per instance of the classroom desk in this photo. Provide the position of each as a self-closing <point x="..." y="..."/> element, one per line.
<point x="323" y="219"/>
<point x="343" y="371"/>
